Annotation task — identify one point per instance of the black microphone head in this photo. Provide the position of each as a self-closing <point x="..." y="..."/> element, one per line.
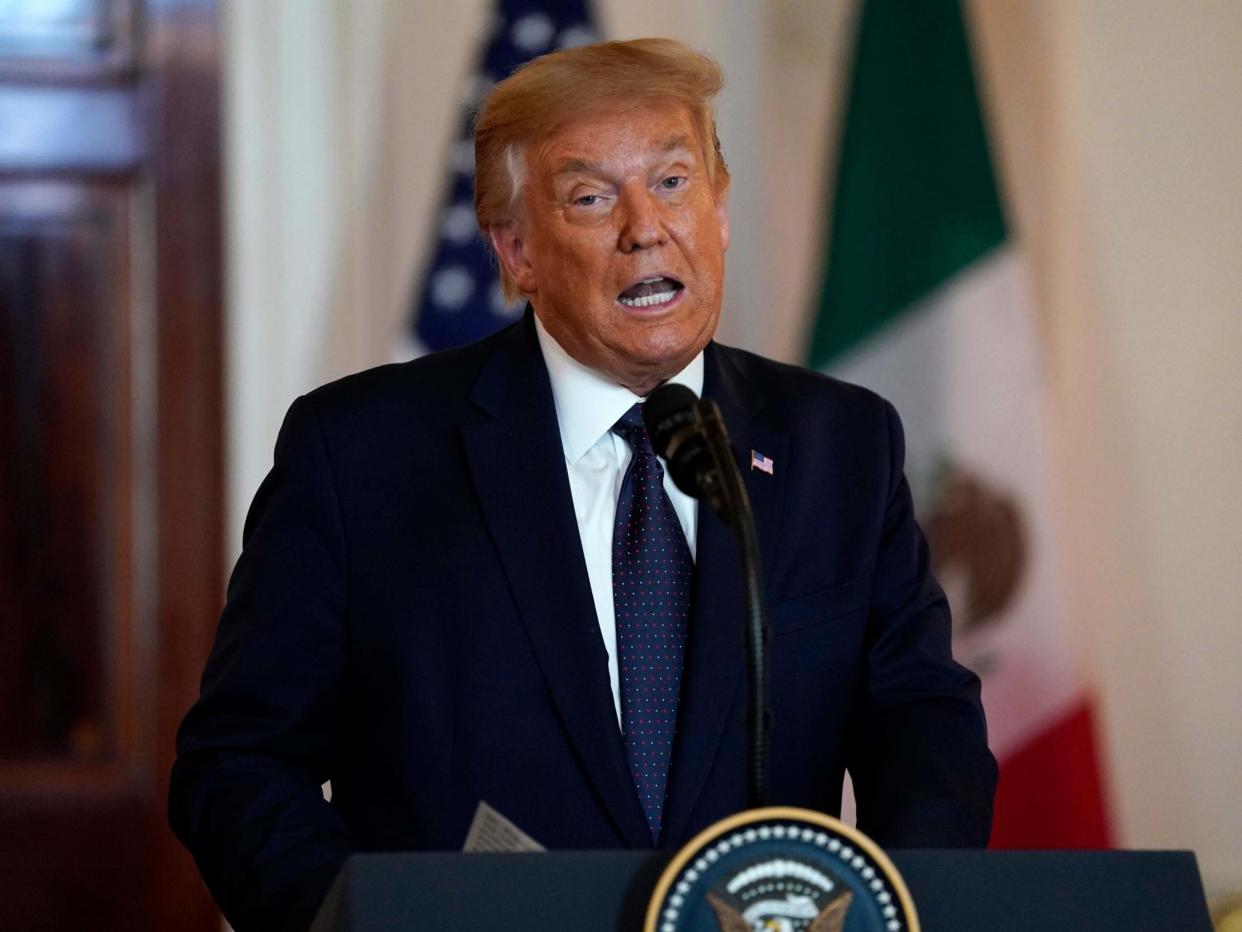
<point x="681" y="426"/>
<point x="668" y="409"/>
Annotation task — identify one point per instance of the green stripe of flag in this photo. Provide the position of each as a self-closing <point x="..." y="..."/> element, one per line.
<point x="916" y="197"/>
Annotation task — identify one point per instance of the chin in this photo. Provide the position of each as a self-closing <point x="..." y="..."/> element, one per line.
<point x="659" y="351"/>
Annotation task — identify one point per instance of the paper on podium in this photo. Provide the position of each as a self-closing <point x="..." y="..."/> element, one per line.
<point x="492" y="832"/>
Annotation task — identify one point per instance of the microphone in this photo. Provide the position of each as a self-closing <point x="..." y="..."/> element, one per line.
<point x="690" y="435"/>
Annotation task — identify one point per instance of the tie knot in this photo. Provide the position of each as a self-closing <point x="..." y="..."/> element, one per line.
<point x="632" y="430"/>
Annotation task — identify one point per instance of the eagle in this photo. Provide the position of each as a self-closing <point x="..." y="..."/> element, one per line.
<point x="787" y="915"/>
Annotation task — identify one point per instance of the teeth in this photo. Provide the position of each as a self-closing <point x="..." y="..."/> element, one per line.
<point x="650" y="300"/>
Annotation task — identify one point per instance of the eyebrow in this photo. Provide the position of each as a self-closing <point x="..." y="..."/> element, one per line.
<point x="586" y="167"/>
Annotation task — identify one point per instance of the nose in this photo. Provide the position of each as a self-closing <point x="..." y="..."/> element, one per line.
<point x="642" y="225"/>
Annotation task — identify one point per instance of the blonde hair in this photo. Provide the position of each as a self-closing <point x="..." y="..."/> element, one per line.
<point x="546" y="93"/>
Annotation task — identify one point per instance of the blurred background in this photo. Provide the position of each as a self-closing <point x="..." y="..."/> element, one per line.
<point x="208" y="207"/>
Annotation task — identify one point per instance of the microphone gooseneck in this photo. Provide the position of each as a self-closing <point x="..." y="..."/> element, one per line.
<point x="691" y="437"/>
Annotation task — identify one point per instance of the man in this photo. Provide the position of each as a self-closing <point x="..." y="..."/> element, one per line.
<point x="435" y="603"/>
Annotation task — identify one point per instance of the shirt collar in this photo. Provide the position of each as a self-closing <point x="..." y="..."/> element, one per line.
<point x="587" y="404"/>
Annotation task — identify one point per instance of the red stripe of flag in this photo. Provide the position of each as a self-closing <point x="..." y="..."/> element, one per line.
<point x="1051" y="792"/>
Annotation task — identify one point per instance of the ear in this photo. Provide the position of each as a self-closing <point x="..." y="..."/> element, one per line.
<point x="722" y="217"/>
<point x="507" y="241"/>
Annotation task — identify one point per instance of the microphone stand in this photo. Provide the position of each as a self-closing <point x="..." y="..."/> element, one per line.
<point x="733" y="504"/>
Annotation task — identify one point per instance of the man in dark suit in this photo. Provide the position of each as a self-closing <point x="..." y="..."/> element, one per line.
<point x="434" y="605"/>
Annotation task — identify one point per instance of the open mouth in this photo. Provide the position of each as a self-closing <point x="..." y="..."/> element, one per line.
<point x="651" y="292"/>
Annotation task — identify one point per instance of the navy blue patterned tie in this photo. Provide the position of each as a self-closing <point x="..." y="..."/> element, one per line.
<point x="651" y="569"/>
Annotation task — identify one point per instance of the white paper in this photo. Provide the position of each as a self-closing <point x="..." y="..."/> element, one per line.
<point x="490" y="831"/>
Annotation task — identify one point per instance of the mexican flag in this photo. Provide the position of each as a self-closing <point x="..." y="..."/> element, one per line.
<point x="924" y="301"/>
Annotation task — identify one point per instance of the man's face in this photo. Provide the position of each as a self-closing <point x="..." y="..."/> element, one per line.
<point x="620" y="242"/>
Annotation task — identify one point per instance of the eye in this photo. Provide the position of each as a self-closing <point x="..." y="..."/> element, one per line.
<point x="673" y="182"/>
<point x="587" y="200"/>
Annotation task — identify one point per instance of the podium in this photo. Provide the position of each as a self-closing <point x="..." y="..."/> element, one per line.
<point x="607" y="891"/>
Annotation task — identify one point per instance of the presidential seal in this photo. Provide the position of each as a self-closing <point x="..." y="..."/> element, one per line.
<point x="781" y="870"/>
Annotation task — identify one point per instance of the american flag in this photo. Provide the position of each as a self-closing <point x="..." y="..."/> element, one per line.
<point x="761" y="462"/>
<point x="459" y="299"/>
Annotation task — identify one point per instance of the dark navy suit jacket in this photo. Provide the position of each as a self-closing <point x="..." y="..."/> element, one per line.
<point x="411" y="619"/>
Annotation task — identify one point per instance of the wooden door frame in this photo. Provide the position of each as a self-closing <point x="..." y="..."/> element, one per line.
<point x="161" y="79"/>
<point x="183" y="54"/>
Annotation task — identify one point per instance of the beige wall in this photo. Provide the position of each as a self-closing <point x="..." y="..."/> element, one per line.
<point x="1118" y="126"/>
<point x="1144" y="278"/>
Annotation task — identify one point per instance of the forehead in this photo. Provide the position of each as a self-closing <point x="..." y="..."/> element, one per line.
<point x="618" y="139"/>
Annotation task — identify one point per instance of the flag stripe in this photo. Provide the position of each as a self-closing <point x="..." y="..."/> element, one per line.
<point x="1051" y="794"/>
<point x="916" y="197"/>
<point x="925" y="302"/>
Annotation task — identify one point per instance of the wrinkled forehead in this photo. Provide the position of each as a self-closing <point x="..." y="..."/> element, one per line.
<point x="617" y="131"/>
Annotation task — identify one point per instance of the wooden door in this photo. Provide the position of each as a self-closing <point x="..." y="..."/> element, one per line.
<point x="110" y="449"/>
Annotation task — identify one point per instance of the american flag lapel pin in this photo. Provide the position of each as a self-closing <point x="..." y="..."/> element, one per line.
<point x="761" y="462"/>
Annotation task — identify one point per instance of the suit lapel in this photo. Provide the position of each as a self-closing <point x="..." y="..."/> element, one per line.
<point x="715" y="658"/>
<point x="518" y="468"/>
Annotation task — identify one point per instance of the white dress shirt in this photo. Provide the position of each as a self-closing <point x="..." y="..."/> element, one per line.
<point x="587" y="405"/>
